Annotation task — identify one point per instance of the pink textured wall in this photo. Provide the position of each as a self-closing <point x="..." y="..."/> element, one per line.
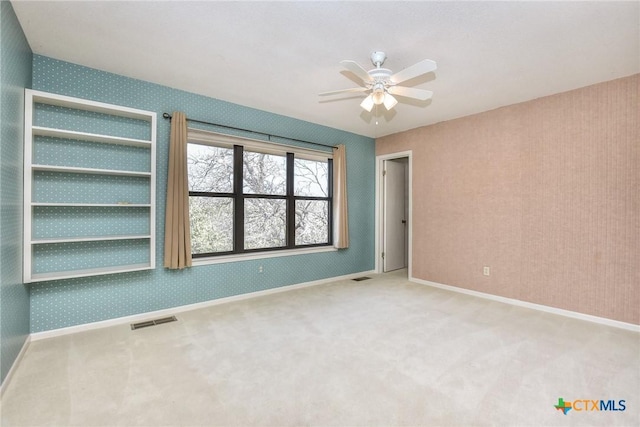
<point x="546" y="193"/>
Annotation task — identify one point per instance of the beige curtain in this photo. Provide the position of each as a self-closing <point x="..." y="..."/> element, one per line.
<point x="177" y="237"/>
<point x="340" y="211"/>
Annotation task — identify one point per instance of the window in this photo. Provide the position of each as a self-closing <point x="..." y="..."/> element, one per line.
<point x="247" y="196"/>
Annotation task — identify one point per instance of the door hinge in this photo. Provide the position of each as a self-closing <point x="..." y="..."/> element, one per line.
<point x="382" y="254"/>
<point x="384" y="173"/>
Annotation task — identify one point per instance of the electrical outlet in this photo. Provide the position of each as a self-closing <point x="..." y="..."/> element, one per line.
<point x="486" y="271"/>
<point x="260" y="270"/>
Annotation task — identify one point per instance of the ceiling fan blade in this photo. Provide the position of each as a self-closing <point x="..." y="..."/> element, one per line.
<point x="335" y="92"/>
<point x="356" y="69"/>
<point x="410" y="92"/>
<point x="422" y="67"/>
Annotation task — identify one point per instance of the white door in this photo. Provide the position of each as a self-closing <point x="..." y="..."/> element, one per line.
<point x="394" y="221"/>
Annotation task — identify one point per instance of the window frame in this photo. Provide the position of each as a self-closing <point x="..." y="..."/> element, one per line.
<point x="238" y="196"/>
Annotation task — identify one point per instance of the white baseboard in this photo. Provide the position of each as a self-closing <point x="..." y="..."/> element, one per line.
<point x="539" y="307"/>
<point x="174" y="310"/>
<point x="14" y="366"/>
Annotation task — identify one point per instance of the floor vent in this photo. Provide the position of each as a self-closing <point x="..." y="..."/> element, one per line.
<point x="148" y="323"/>
<point x="360" y="279"/>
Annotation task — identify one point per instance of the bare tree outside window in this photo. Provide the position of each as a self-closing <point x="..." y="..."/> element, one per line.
<point x="312" y="226"/>
<point x="211" y="221"/>
<point x="265" y="220"/>
<point x="312" y="216"/>
<point x="210" y="169"/>
<point x="265" y="223"/>
<point x="264" y="173"/>
<point x="310" y="178"/>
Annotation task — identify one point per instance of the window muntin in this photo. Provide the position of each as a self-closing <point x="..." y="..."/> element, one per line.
<point x="257" y="199"/>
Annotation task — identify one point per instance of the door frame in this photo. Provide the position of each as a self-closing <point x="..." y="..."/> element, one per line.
<point x="380" y="207"/>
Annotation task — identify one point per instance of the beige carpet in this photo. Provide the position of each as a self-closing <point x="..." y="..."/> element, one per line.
<point x="382" y="352"/>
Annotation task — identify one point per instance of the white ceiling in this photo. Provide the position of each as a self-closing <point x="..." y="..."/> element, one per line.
<point x="277" y="56"/>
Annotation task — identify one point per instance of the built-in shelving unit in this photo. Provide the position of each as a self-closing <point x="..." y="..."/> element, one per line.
<point x="89" y="206"/>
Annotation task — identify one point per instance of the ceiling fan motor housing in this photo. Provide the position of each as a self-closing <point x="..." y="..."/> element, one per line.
<point x="378" y="58"/>
<point x="380" y="74"/>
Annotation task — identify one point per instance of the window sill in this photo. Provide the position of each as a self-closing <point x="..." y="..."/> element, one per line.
<point x="261" y="255"/>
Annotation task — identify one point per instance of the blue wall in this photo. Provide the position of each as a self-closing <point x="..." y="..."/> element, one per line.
<point x="15" y="71"/>
<point x="59" y="304"/>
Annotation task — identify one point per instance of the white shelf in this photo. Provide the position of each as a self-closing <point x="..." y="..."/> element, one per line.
<point x="95" y="205"/>
<point x="84" y="136"/>
<point x="58" y="275"/>
<point x="40" y="97"/>
<point x="89" y="239"/>
<point x="92" y="171"/>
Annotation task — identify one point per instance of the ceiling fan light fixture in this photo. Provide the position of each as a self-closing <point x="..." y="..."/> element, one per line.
<point x="378" y="93"/>
<point x="368" y="103"/>
<point x="378" y="97"/>
<point x="389" y="101"/>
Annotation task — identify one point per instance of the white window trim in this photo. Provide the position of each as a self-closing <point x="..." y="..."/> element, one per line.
<point x="203" y="137"/>
<point x="222" y="259"/>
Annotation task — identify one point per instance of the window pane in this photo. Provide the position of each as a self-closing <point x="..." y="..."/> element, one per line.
<point x="312" y="222"/>
<point x="264" y="173"/>
<point x="310" y="178"/>
<point x="211" y="224"/>
<point x="264" y="223"/>
<point x="210" y="168"/>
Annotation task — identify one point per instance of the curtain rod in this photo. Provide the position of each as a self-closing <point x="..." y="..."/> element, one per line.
<point x="168" y="116"/>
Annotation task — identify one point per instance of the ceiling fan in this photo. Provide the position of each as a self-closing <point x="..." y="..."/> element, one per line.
<point x="382" y="85"/>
